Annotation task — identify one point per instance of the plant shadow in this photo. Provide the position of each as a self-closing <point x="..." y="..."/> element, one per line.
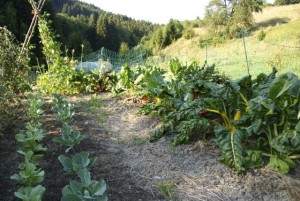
<point x="271" y="23"/>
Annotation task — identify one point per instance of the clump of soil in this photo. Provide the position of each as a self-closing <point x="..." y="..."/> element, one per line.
<point x="135" y="169"/>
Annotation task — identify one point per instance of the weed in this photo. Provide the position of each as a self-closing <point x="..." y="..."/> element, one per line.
<point x="166" y="189"/>
<point x="138" y="141"/>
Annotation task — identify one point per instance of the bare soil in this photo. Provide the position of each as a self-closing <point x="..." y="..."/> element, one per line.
<point x="137" y="170"/>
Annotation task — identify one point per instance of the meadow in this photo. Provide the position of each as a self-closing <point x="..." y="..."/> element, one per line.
<point x="280" y="48"/>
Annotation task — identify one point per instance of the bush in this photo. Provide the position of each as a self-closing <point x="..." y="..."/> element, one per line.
<point x="12" y="66"/>
<point x="12" y="74"/>
<point x="261" y="35"/>
<point x="211" y="40"/>
<point x="188" y="33"/>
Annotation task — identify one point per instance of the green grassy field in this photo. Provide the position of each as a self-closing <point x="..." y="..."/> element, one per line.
<point x="280" y="48"/>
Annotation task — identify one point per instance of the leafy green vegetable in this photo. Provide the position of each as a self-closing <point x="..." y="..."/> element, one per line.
<point x="30" y="193"/>
<point x="30" y="175"/>
<point x="78" y="162"/>
<point x="69" y="138"/>
<point x="31" y="138"/>
<point x="85" y="190"/>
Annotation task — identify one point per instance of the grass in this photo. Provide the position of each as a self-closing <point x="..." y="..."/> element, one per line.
<point x="280" y="48"/>
<point x="166" y="189"/>
<point x="95" y="107"/>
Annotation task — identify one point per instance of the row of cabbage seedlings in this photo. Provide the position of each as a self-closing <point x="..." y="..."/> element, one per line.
<point x="30" y="175"/>
<point x="84" y="188"/>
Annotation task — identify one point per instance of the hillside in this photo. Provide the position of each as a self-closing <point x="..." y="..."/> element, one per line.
<point x="81" y="23"/>
<point x="280" y="48"/>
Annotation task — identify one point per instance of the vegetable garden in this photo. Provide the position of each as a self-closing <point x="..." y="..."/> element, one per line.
<point x="254" y="122"/>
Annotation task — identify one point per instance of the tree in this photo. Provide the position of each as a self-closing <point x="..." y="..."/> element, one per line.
<point x="101" y="27"/>
<point x="228" y="17"/>
<point x="91" y="22"/>
<point x="123" y="48"/>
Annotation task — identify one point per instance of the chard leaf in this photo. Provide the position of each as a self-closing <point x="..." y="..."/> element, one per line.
<point x="233" y="153"/>
<point x="281" y="85"/>
<point x="254" y="159"/>
<point x="287" y="143"/>
<point x="281" y="164"/>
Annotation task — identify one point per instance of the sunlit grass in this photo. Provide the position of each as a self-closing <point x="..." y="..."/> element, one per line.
<point x="280" y="48"/>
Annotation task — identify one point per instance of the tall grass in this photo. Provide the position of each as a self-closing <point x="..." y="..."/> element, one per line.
<point x="280" y="48"/>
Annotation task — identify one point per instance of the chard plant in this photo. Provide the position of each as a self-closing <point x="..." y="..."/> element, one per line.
<point x="275" y="116"/>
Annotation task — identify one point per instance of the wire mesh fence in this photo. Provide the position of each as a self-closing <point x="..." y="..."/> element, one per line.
<point x="230" y="58"/>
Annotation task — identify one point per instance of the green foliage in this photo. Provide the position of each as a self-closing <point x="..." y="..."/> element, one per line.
<point x="123" y="48"/>
<point x="276" y="110"/>
<point x="11" y="108"/>
<point x="31" y="138"/>
<point x="261" y="35"/>
<point x="30" y="193"/>
<point x="63" y="109"/>
<point x="60" y="71"/>
<point x="163" y="36"/>
<point x="69" y="138"/>
<point x="85" y="190"/>
<point x="166" y="189"/>
<point x="125" y="79"/>
<point x="188" y="33"/>
<point x="29" y="157"/>
<point x="229" y="17"/>
<point x="13" y="67"/>
<point x="35" y="107"/>
<point x="29" y="176"/>
<point x="78" y="162"/>
<point x="253" y="119"/>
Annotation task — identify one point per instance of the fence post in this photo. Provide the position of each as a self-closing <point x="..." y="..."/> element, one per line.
<point x="243" y="35"/>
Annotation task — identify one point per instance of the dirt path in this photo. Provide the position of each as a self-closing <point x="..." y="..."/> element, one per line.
<point x="193" y="169"/>
<point x="136" y="170"/>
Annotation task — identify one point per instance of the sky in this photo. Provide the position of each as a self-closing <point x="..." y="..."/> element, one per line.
<point x="156" y="11"/>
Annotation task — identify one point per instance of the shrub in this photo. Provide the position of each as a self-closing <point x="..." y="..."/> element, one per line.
<point x="188" y="33"/>
<point x="12" y="66"/>
<point x="261" y="35"/>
